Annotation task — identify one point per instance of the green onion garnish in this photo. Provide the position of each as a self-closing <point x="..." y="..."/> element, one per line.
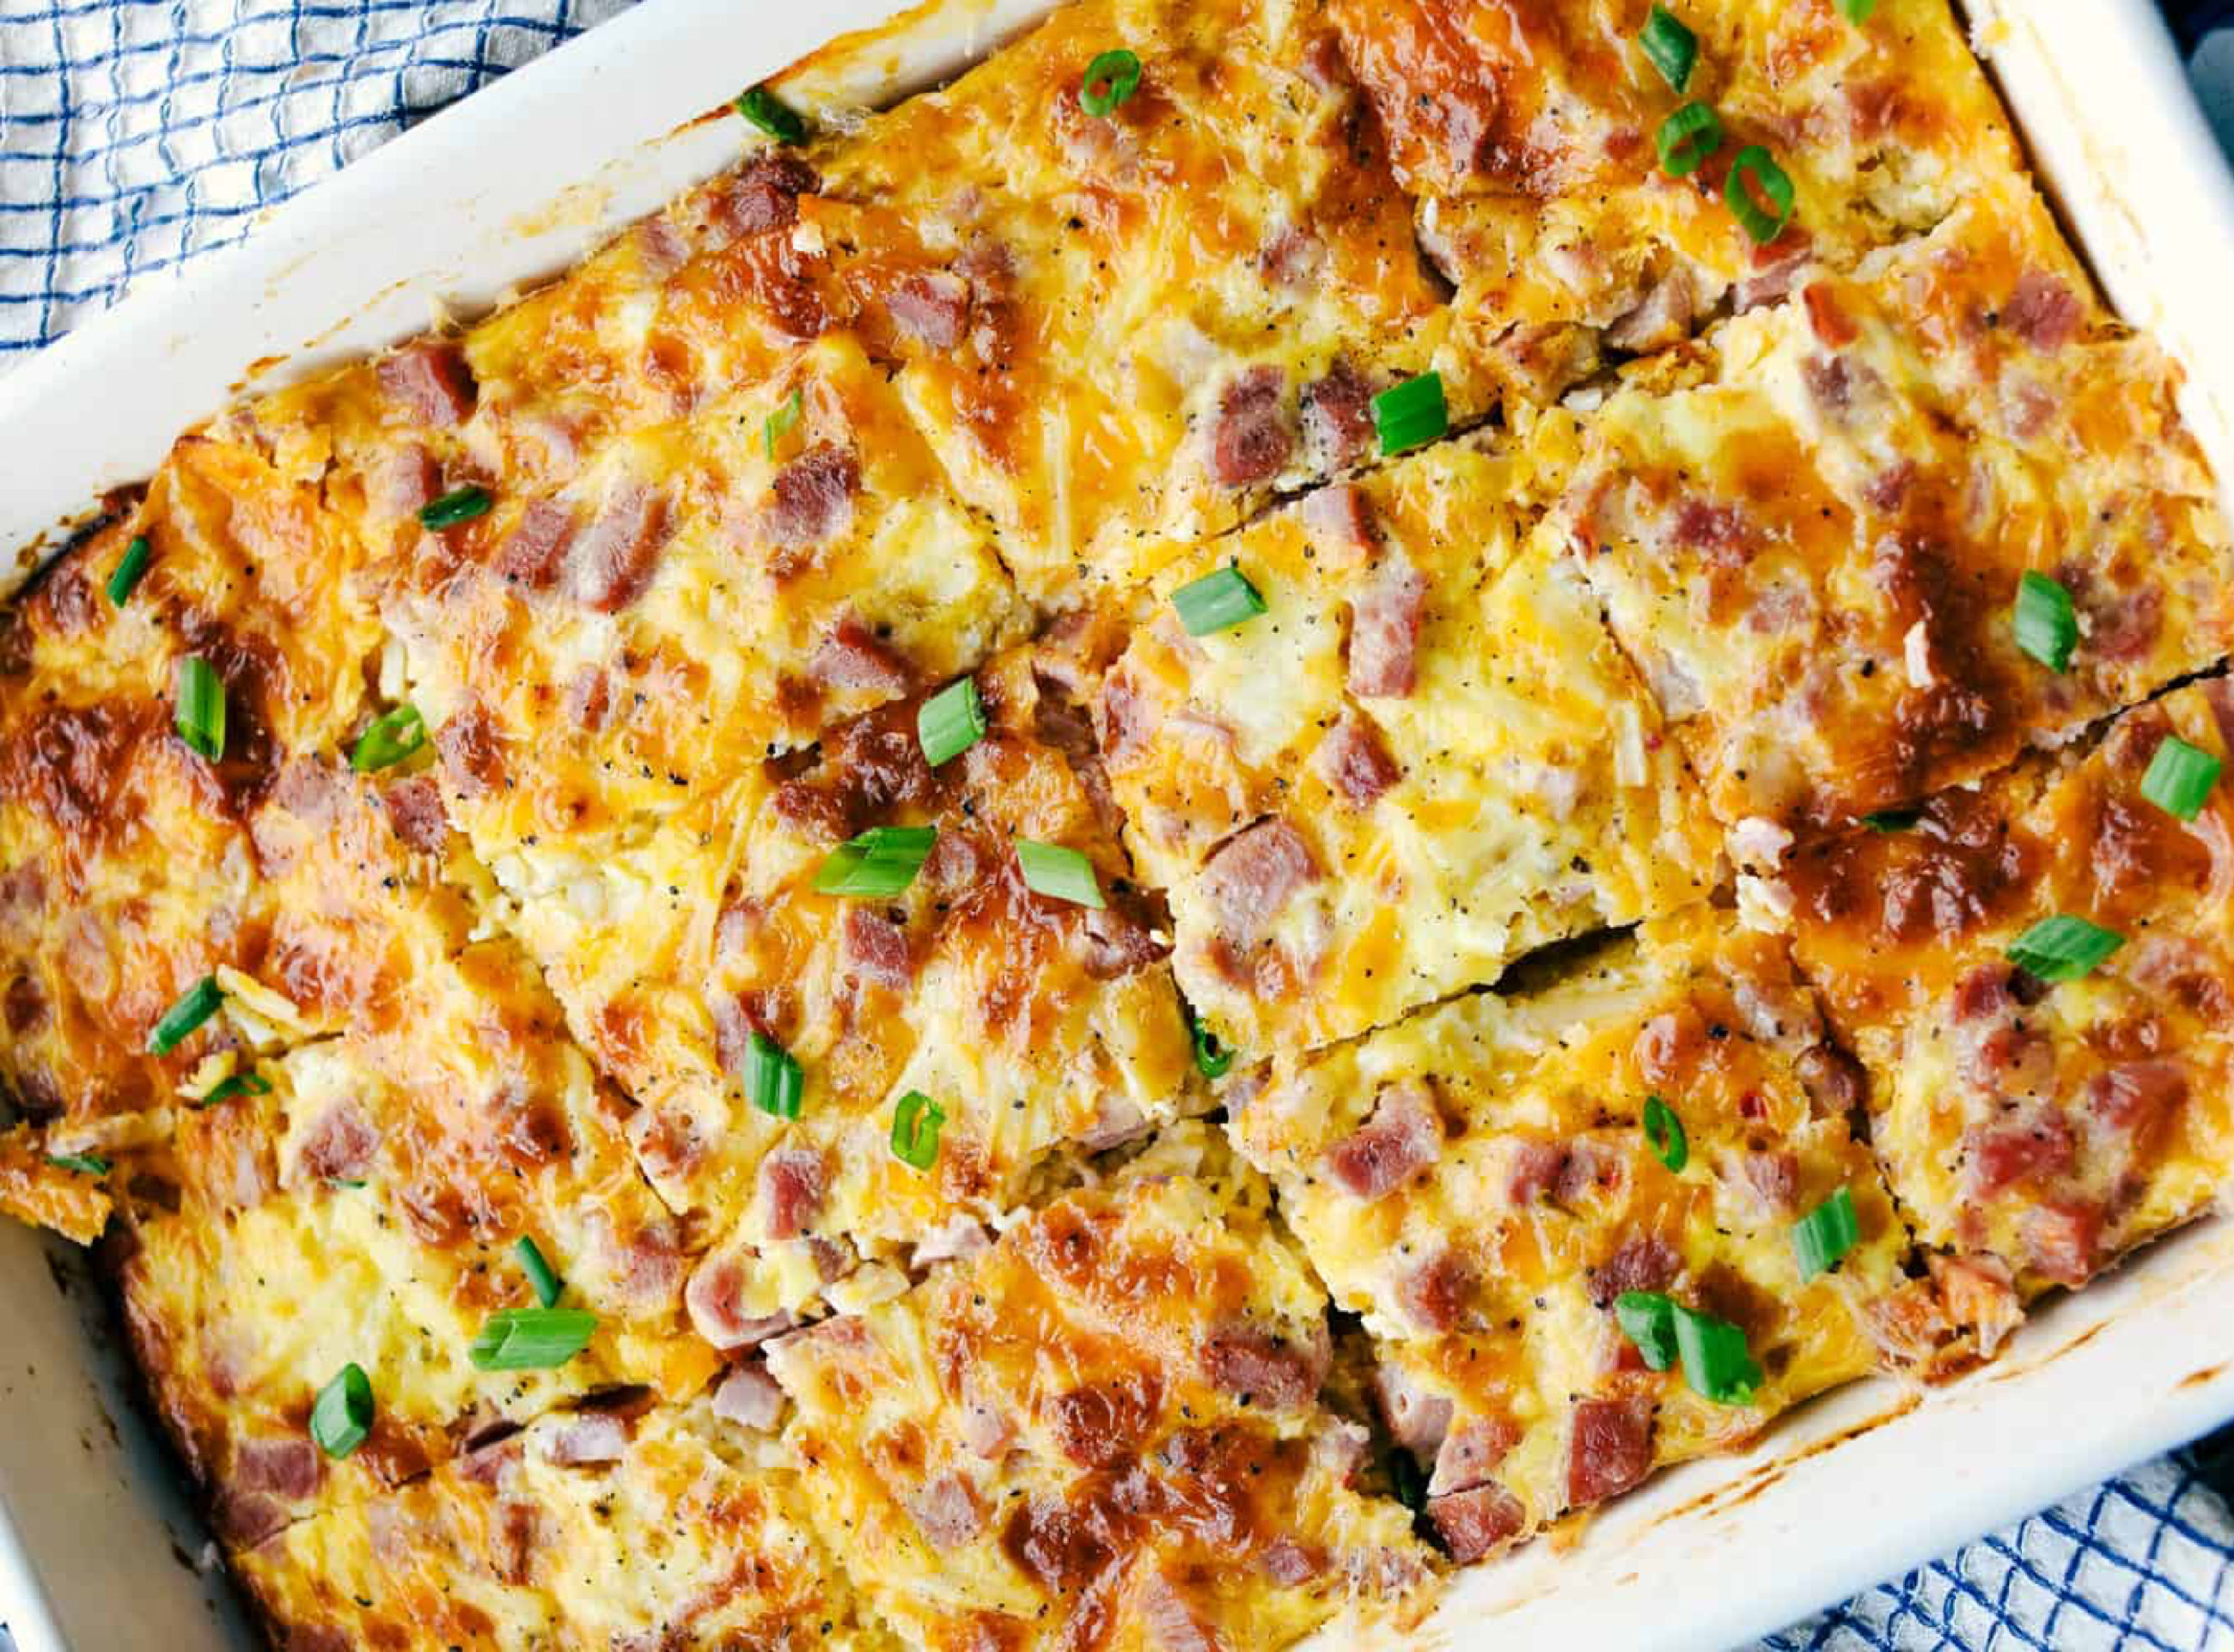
<point x="197" y="1004"/>
<point x="1059" y="873"/>
<point x="916" y="1123"/>
<point x="2180" y="778"/>
<point x="1663" y="1133"/>
<point x="239" y="1084"/>
<point x="2046" y="625"/>
<point x="129" y="567"/>
<point x="1826" y="1234"/>
<point x="460" y="505"/>
<point x="2063" y="948"/>
<point x="1755" y="168"/>
<point x="1109" y="80"/>
<point x="538" y="1271"/>
<point x="773" y="1082"/>
<point x="343" y="1417"/>
<point x="783" y="420"/>
<point x="1410" y="415"/>
<point x="1407" y="1481"/>
<point x="882" y="861"/>
<point x="81" y="1163"/>
<point x="1686" y="137"/>
<point x="531" y="1339"/>
<point x="200" y="713"/>
<point x="1857" y="11"/>
<point x="1715" y="1361"/>
<point x="1672" y="47"/>
<point x="772" y="116"/>
<point x="1216" y="601"/>
<point x="1211" y="1059"/>
<point x="950" y="721"/>
<point x="1886" y="820"/>
<point x="393" y="736"/>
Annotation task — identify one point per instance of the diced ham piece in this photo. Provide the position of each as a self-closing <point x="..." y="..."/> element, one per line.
<point x="340" y="1144"/>
<point x="1340" y="522"/>
<point x="1267" y="1372"/>
<point x="1416" y="1419"/>
<point x="1432" y="1294"/>
<point x="1611" y="1450"/>
<point x="1098" y="1425"/>
<point x="2063" y="1240"/>
<point x="1338" y="417"/>
<point x="765" y="195"/>
<point x="946" y="1511"/>
<point x="2136" y="1097"/>
<point x="593" y="1438"/>
<point x="716" y="1300"/>
<point x="1403" y="1137"/>
<point x="851" y="656"/>
<point x="660" y="247"/>
<point x="985" y="1426"/>
<point x="288" y="1468"/>
<point x="1384" y="631"/>
<point x="1111" y="943"/>
<point x="1117" y="1119"/>
<point x="959" y="1240"/>
<point x="1535" y="1170"/>
<point x="1354" y="764"/>
<point x="792" y="1183"/>
<point x="2037" y="1148"/>
<point x="1475" y="1522"/>
<point x="1252" y="437"/>
<point x="415" y="814"/>
<point x="1471" y="1454"/>
<point x="2042" y="311"/>
<point x="1979" y="1295"/>
<point x="1775" y="267"/>
<point x="430" y="378"/>
<point x="408" y="480"/>
<point x="1773" y="1178"/>
<point x="1662" y="317"/>
<point x="1642" y="1262"/>
<point x="1172" y="1622"/>
<point x="534" y="553"/>
<point x="748" y="1397"/>
<point x="1291" y="1565"/>
<point x="615" y="558"/>
<point x="812" y="498"/>
<point x="877" y="949"/>
<point x="932" y="307"/>
<point x="1252" y="876"/>
<point x="1834" y="1080"/>
<point x="2126" y="629"/>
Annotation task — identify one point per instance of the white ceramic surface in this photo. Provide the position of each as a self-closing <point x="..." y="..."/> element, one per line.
<point x="96" y="1549"/>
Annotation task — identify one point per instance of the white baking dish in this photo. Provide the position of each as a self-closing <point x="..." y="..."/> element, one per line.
<point x="525" y="177"/>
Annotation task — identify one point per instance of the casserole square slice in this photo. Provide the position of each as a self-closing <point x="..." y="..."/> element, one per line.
<point x="1126" y="329"/>
<point x="1814" y="536"/>
<point x="1106" y="1427"/>
<point x="616" y="1530"/>
<point x="2039" y="1127"/>
<point x="1424" y="759"/>
<point x="1042" y="1030"/>
<point x="1479" y="1185"/>
<point x="1527" y="137"/>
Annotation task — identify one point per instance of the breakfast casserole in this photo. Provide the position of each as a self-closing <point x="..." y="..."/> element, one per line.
<point x="1113" y="860"/>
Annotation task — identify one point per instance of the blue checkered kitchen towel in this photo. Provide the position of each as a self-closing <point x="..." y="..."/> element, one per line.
<point x="134" y="133"/>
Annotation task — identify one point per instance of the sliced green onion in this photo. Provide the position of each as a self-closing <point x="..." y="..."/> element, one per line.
<point x="2180" y="778"/>
<point x="1410" y="415"/>
<point x="1211" y="1059"/>
<point x="1109" y="80"/>
<point x="531" y="1339"/>
<point x="773" y="1082"/>
<point x="1672" y="47"/>
<point x="2047" y="625"/>
<point x="1059" y="873"/>
<point x="1686" y="137"/>
<point x="782" y="419"/>
<point x="129" y="567"/>
<point x="1826" y="1234"/>
<point x="1857" y="11"/>
<point x="1406" y="1481"/>
<point x="460" y="505"/>
<point x="393" y="736"/>
<point x="538" y="1271"/>
<point x="1887" y="820"/>
<point x="1663" y="1133"/>
<point x="195" y="1005"/>
<point x="882" y="861"/>
<point x="1216" y="601"/>
<point x="915" y="1123"/>
<point x="1717" y="1363"/>
<point x="2063" y="948"/>
<point x="239" y="1084"/>
<point x="1648" y="1319"/>
<point x="200" y="713"/>
<point x="341" y="1419"/>
<point x="1756" y="169"/>
<point x="81" y="1163"/>
<point x="950" y="721"/>
<point x="772" y="116"/>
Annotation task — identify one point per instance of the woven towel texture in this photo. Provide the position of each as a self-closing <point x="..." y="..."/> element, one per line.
<point x="134" y="133"/>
